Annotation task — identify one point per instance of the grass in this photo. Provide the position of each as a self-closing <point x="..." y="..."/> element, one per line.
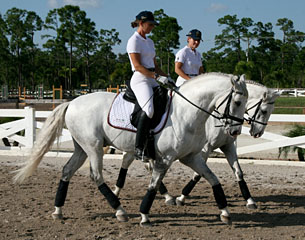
<point x="289" y="105"/>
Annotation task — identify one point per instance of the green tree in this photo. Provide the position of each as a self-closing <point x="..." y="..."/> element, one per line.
<point x="86" y="45"/>
<point x="122" y="70"/>
<point x="57" y="51"/>
<point x="291" y="37"/>
<point x="266" y="53"/>
<point x="105" y="57"/>
<point x="21" y="26"/>
<point x="244" y="67"/>
<point x="4" y="53"/>
<point x="166" y="39"/>
<point x="70" y="18"/>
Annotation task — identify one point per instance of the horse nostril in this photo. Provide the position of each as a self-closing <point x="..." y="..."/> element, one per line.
<point x="234" y="133"/>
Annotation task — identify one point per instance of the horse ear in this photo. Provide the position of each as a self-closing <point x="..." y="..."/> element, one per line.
<point x="276" y="93"/>
<point x="265" y="96"/>
<point x="242" y="77"/>
<point x="234" y="79"/>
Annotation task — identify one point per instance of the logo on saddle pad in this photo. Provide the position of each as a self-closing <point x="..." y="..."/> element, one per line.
<point x="120" y="113"/>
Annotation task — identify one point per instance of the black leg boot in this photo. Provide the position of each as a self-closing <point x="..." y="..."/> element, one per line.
<point x="141" y="138"/>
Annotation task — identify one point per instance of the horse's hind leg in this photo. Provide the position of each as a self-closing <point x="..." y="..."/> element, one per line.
<point x="198" y="165"/>
<point x="96" y="167"/>
<point x="169" y="199"/>
<point x="230" y="152"/>
<point x="188" y="188"/>
<point x="74" y="163"/>
<point x="159" y="170"/>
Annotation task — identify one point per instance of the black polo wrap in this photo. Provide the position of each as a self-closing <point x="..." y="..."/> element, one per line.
<point x="112" y="199"/>
<point x="122" y="177"/>
<point x="148" y="201"/>
<point x="220" y="196"/>
<point x="61" y="193"/>
<point x="244" y="189"/>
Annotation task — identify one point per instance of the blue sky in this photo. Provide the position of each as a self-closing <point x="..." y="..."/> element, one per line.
<point x="200" y="14"/>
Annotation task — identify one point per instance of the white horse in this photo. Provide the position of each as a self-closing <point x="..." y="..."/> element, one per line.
<point x="182" y="138"/>
<point x="259" y="107"/>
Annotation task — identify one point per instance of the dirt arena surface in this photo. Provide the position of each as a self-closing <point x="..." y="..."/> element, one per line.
<point x="25" y="210"/>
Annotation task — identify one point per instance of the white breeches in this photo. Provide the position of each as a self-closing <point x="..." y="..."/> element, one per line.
<point x="142" y="87"/>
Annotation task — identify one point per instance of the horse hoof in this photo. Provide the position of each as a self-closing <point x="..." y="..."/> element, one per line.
<point x="252" y="206"/>
<point x="146" y="224"/>
<point x="170" y="202"/>
<point x="226" y="219"/>
<point x="57" y="216"/>
<point x="179" y="203"/>
<point x="122" y="218"/>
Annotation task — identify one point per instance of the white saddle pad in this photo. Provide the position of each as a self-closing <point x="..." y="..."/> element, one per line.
<point x="120" y="113"/>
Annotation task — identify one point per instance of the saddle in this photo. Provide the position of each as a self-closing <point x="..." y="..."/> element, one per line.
<point x="125" y="112"/>
<point x="160" y="99"/>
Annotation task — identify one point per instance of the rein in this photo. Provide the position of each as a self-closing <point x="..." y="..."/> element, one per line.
<point x="225" y="115"/>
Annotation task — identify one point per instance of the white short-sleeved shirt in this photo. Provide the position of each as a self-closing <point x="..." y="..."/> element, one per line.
<point x="146" y="48"/>
<point x="191" y="60"/>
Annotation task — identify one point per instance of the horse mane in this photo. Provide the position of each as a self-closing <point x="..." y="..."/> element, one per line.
<point x="230" y="75"/>
<point x="218" y="74"/>
<point x="255" y="83"/>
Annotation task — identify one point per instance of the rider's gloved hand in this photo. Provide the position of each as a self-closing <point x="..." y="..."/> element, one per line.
<point x="162" y="79"/>
<point x="167" y="82"/>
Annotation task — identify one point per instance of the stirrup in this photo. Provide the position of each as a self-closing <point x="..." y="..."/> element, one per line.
<point x="140" y="155"/>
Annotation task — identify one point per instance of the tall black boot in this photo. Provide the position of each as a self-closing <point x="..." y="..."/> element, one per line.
<point x="141" y="138"/>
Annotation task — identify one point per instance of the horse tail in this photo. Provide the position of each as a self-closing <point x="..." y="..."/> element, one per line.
<point x="51" y="130"/>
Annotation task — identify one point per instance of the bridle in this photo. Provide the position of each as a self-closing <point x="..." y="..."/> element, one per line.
<point x="226" y="115"/>
<point x="252" y="119"/>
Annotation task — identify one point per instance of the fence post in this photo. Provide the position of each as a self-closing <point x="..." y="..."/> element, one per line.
<point x="29" y="117"/>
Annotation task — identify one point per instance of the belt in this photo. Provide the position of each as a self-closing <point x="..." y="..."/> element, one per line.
<point x="192" y="75"/>
<point x="149" y="69"/>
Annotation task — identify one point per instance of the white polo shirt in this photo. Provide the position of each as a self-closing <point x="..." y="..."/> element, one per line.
<point x="191" y="60"/>
<point x="146" y="48"/>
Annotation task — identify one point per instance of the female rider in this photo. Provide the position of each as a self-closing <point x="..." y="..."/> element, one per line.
<point x="142" y="53"/>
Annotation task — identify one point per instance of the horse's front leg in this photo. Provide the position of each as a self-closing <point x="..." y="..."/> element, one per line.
<point x="127" y="160"/>
<point x="199" y="165"/>
<point x="230" y="152"/>
<point x="159" y="170"/>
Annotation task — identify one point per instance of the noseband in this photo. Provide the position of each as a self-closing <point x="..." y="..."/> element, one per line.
<point x="252" y="119"/>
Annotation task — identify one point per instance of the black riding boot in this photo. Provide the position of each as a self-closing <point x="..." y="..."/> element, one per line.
<point x="141" y="138"/>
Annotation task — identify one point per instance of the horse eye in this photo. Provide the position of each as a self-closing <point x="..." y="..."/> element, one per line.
<point x="264" y="112"/>
<point x="238" y="103"/>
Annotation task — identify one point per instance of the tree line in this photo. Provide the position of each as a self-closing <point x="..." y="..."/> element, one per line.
<point x="74" y="52"/>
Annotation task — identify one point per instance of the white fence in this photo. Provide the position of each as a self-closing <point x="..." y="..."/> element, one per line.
<point x="29" y="124"/>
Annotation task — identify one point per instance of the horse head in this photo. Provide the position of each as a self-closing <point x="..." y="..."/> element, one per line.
<point x="259" y="111"/>
<point x="232" y="106"/>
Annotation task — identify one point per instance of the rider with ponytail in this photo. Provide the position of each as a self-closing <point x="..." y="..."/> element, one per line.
<point x="141" y="52"/>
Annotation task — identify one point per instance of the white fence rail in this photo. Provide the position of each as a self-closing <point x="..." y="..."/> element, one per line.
<point x="30" y="125"/>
